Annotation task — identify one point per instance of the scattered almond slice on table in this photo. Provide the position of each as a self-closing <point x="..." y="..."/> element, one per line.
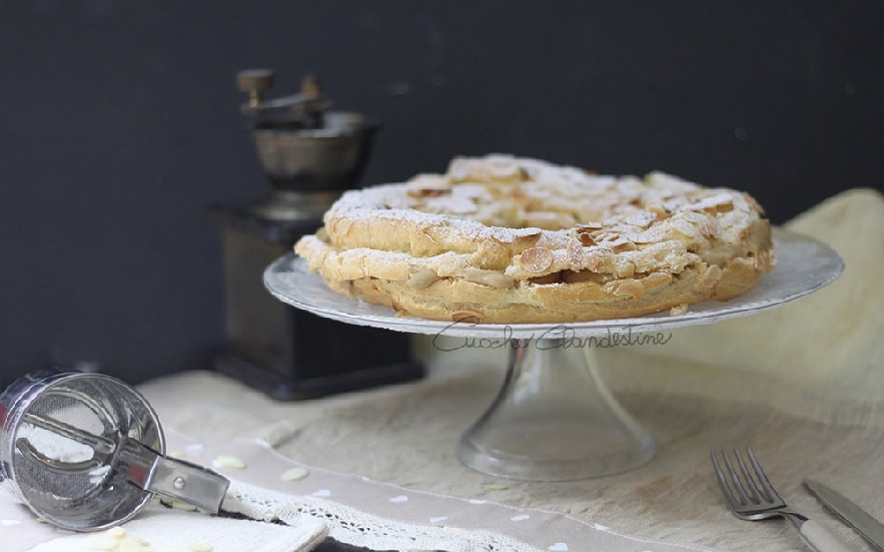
<point x="228" y="461"/>
<point x="178" y="505"/>
<point x="294" y="474"/>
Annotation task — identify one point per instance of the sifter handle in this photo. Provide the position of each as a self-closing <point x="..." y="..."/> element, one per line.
<point x="175" y="479"/>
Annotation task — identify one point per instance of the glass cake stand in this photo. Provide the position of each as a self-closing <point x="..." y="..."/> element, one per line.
<point x="554" y="419"/>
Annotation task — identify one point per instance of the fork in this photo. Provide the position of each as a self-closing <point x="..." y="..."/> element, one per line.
<point x="754" y="498"/>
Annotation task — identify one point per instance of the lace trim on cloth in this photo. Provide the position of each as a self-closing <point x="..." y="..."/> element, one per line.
<point x="357" y="528"/>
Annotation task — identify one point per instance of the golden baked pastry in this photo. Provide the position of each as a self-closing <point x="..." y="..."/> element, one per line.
<point x="500" y="239"/>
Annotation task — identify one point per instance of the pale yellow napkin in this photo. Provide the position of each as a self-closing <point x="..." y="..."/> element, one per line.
<point x="830" y="339"/>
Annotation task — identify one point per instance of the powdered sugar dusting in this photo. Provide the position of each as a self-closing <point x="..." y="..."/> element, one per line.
<point x="513" y="223"/>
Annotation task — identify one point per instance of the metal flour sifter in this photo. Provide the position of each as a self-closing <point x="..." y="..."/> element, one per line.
<point x="86" y="452"/>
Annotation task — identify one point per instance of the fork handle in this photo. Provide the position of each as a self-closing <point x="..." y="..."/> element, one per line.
<point x="821" y="539"/>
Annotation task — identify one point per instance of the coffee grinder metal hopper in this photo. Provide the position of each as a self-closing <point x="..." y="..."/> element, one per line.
<point x="310" y="155"/>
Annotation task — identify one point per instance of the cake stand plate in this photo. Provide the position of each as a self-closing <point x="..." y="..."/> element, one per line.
<point x="554" y="418"/>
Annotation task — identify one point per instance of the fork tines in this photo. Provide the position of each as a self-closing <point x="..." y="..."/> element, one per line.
<point x="751" y="490"/>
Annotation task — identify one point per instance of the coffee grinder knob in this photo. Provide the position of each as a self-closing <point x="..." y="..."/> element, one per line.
<point x="255" y="82"/>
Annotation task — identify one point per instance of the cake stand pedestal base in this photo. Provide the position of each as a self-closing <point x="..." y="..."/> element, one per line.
<point x="554" y="419"/>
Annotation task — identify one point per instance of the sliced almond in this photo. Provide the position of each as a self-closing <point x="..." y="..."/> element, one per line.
<point x="656" y="279"/>
<point x="590" y="227"/>
<point x="659" y="211"/>
<point x="651" y="235"/>
<point x="713" y="202"/>
<point x="490" y="278"/>
<point x="178" y="505"/>
<point x="642" y="219"/>
<point x="536" y="259"/>
<point x="760" y="262"/>
<point x="469" y="316"/>
<point x="420" y="193"/>
<point x="295" y="474"/>
<point x="679" y="309"/>
<point x="422" y="279"/>
<point x="228" y="461"/>
<point x="709" y="228"/>
<point x="595" y="262"/>
<point x="685" y="228"/>
<point x="627" y="288"/>
<point x="503" y="168"/>
<point x="459" y="169"/>
<point x="116" y="532"/>
<point x="585" y="237"/>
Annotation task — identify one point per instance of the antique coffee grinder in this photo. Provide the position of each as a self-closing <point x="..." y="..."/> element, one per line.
<point x="310" y="155"/>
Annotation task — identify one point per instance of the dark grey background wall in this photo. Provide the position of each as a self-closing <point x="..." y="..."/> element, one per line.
<point x="119" y="124"/>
